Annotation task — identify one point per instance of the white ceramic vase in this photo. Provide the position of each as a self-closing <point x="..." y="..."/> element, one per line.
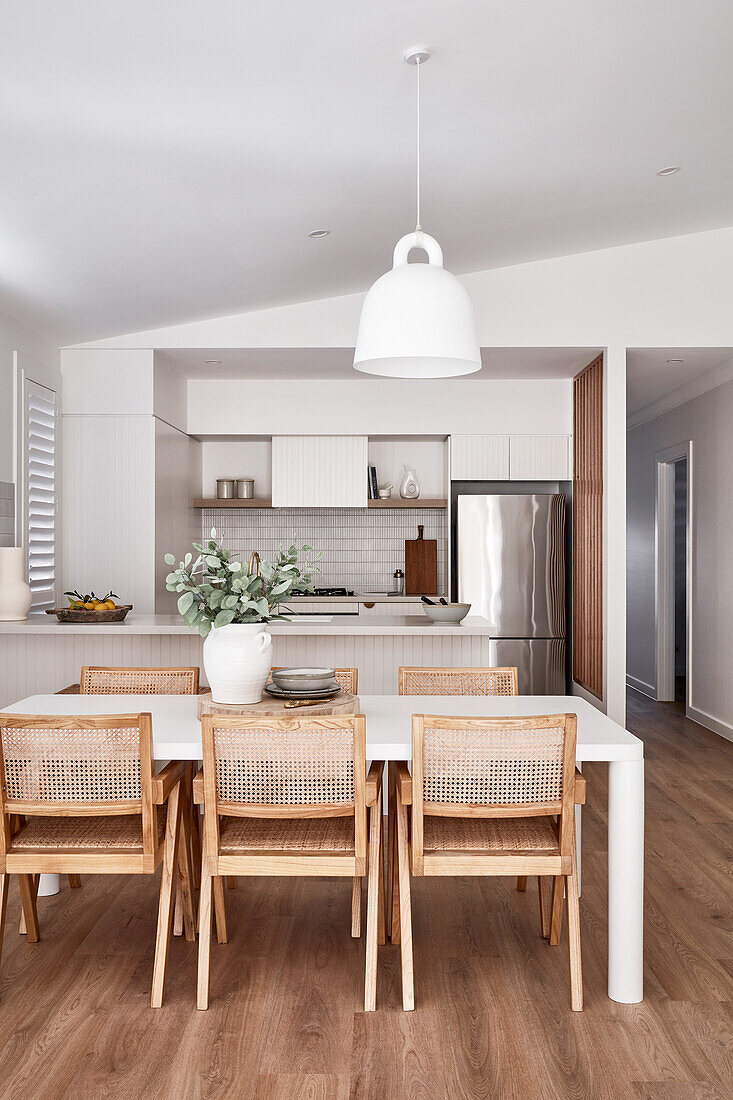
<point x="15" y="595"/>
<point x="409" y="488"/>
<point x="237" y="662"/>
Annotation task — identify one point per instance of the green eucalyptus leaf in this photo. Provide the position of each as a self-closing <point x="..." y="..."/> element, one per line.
<point x="223" y="618"/>
<point x="170" y="559"/>
<point x="184" y="602"/>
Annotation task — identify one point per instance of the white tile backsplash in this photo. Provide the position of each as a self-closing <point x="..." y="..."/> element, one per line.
<point x="361" y="548"/>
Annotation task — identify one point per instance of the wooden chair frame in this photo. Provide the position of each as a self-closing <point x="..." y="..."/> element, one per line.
<point x="408" y="673"/>
<point x="217" y="864"/>
<point x="562" y="865"/>
<point x="189" y="675"/>
<point x="163" y="789"/>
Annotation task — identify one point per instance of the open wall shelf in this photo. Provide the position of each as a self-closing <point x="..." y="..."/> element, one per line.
<point x="255" y="502"/>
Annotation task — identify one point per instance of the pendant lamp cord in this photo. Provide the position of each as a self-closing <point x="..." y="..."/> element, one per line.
<point x="418" y="227"/>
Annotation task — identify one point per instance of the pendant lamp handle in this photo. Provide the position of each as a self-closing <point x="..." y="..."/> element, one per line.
<point x="418" y="239"/>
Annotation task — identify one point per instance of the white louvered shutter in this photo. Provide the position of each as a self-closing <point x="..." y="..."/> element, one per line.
<point x="40" y="493"/>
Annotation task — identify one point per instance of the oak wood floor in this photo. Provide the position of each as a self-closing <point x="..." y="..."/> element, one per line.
<point x="492" y="1016"/>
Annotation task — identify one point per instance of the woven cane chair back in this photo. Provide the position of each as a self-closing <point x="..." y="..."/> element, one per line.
<point x="346" y="678"/>
<point x="75" y="766"/>
<point x="494" y="767"/>
<point x="285" y="767"/>
<point x="139" y="681"/>
<point x="458" y="681"/>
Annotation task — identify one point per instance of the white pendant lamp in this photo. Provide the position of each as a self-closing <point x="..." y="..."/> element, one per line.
<point x="417" y="320"/>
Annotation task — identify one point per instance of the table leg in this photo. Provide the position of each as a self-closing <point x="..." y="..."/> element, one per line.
<point x="626" y="881"/>
<point x="48" y="885"/>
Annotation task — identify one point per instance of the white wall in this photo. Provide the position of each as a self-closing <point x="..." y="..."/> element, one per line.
<point x="177" y="522"/>
<point x="707" y="421"/>
<point x="234" y="459"/>
<point x="108" y="483"/>
<point x="379" y="407"/>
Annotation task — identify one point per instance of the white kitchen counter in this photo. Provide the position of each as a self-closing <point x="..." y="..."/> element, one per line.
<point x="43" y="655"/>
<point x="322" y="625"/>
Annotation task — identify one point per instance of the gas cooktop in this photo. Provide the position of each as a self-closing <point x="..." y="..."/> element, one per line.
<point x="321" y="592"/>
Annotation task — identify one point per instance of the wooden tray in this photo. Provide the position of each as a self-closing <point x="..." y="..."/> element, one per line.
<point x="70" y="615"/>
<point x="343" y="703"/>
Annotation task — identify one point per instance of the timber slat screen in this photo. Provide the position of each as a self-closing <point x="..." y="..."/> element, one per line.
<point x="588" y="527"/>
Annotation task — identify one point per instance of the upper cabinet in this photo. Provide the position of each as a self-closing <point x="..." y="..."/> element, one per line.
<point x="539" y="457"/>
<point x="510" y="458"/>
<point x="479" y="457"/>
<point x="319" y="471"/>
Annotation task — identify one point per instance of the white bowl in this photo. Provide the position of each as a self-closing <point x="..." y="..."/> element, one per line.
<point x="303" y="679"/>
<point x="446" y="612"/>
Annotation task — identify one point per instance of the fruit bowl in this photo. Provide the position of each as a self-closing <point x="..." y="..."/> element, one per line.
<point x="72" y="615"/>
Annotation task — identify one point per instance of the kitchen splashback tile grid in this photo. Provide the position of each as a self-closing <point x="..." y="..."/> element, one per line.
<point x="361" y="549"/>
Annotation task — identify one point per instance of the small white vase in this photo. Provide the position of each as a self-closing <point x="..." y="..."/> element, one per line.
<point x="15" y="595"/>
<point x="409" y="488"/>
<point x="237" y="662"/>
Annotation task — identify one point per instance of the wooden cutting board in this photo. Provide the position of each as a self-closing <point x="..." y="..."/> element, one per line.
<point x="421" y="565"/>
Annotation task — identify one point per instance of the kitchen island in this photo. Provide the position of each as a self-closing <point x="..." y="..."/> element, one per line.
<point x="42" y="655"/>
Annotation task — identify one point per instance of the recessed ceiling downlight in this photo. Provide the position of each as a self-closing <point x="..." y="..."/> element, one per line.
<point x="213" y="362"/>
<point x="675" y="360"/>
<point x="316" y="234"/>
<point x="670" y="170"/>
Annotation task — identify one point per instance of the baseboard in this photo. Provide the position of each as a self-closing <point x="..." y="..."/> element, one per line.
<point x="723" y="729"/>
<point x="641" y="686"/>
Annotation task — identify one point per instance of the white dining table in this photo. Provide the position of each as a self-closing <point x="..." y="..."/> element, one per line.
<point x="177" y="736"/>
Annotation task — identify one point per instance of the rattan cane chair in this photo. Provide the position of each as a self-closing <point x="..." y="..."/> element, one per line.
<point x="78" y="795"/>
<point x="289" y="796"/>
<point x="112" y="680"/>
<point x="457" y="681"/>
<point x="346" y="678"/>
<point x="490" y="796"/>
<point x="97" y="680"/>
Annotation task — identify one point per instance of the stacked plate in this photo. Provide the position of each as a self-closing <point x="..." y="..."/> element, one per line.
<point x="303" y="683"/>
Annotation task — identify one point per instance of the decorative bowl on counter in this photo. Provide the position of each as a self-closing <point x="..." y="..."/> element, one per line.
<point x="304" y="679"/>
<point x="446" y="612"/>
<point x="72" y="615"/>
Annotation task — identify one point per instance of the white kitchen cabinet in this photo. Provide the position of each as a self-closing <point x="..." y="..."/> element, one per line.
<point x="539" y="457"/>
<point x="319" y="471"/>
<point x="479" y="457"/>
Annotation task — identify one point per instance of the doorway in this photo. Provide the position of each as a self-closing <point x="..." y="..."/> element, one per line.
<point x="673" y="571"/>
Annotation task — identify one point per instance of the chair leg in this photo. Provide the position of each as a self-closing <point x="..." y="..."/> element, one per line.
<point x="390" y="901"/>
<point x="28" y="890"/>
<point x="21" y="924"/>
<point x="4" y="886"/>
<point x="356" y="906"/>
<point x="74" y="881"/>
<point x="185" y="878"/>
<point x="381" y="914"/>
<point x="544" y="893"/>
<point x="196" y="820"/>
<point x="220" y="912"/>
<point x="165" y="906"/>
<point x="372" y="934"/>
<point x="558" y="890"/>
<point x="576" y="966"/>
<point x="394" y="875"/>
<point x="408" y="990"/>
<point x="202" y="986"/>
<point x="521" y="883"/>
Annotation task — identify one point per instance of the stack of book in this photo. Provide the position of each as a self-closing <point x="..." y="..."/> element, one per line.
<point x="372" y="486"/>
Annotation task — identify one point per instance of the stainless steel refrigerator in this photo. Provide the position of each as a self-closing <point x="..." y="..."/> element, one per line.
<point x="510" y="554"/>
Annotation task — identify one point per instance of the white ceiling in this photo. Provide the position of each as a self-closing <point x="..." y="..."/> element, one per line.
<point x="163" y="162"/>
<point x="304" y="363"/>
<point x="650" y="377"/>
